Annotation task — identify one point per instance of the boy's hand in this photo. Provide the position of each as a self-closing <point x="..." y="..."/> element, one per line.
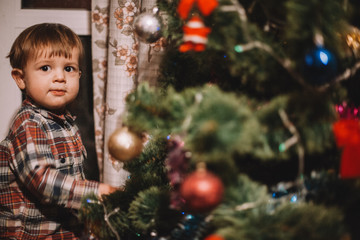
<point x="105" y="189"/>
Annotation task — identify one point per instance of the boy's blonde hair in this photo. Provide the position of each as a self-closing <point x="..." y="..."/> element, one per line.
<point x="60" y="39"/>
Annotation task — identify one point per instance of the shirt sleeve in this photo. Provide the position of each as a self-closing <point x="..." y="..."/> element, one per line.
<point x="34" y="164"/>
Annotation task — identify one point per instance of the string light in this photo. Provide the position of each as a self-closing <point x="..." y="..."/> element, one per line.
<point x="106" y="215"/>
<point x="246" y="206"/>
<point x="295" y="139"/>
<point x="288" y="143"/>
<point x="93" y="201"/>
<point x="188" y="118"/>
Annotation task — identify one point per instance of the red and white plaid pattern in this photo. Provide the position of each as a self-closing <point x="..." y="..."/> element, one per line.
<point x="41" y="176"/>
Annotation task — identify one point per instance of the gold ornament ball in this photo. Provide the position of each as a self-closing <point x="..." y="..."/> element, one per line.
<point x="124" y="145"/>
<point x="353" y="40"/>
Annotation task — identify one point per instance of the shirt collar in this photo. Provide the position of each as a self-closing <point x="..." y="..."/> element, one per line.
<point x="66" y="116"/>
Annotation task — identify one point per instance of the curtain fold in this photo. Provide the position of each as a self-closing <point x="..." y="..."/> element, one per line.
<point x="119" y="62"/>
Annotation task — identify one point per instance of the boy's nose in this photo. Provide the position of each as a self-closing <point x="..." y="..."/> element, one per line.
<point x="59" y="76"/>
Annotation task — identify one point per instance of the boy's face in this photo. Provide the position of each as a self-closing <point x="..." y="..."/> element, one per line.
<point x="52" y="82"/>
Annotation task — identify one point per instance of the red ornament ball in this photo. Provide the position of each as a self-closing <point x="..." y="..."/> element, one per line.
<point x="214" y="237"/>
<point x="202" y="191"/>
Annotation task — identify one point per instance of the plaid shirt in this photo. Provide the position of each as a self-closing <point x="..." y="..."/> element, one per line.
<point x="41" y="176"/>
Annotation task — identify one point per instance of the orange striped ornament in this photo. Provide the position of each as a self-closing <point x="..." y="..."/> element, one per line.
<point x="195" y="35"/>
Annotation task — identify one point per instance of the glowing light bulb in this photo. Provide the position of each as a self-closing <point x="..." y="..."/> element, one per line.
<point x="324" y="58"/>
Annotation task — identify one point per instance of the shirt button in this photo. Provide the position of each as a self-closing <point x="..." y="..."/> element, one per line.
<point x="62" y="160"/>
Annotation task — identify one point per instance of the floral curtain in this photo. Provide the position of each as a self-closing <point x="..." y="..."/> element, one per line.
<point x="119" y="63"/>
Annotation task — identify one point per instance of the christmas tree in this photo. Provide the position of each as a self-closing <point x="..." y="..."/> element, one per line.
<point x="253" y="131"/>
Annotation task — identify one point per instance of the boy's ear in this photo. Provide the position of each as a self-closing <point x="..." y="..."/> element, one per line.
<point x="18" y="75"/>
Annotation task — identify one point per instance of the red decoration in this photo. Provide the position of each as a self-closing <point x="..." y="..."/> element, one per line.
<point x="214" y="237"/>
<point x="195" y="35"/>
<point x="205" y="6"/>
<point x="202" y="191"/>
<point x="347" y="111"/>
<point x="347" y="134"/>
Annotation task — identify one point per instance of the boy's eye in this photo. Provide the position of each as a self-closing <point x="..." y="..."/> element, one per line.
<point x="45" y="68"/>
<point x="69" y="69"/>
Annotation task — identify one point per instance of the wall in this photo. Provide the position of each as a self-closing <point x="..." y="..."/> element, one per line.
<point x="10" y="96"/>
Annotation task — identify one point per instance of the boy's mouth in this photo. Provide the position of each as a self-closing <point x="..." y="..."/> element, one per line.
<point x="57" y="92"/>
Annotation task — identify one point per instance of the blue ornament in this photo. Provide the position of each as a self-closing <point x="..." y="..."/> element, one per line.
<point x="320" y="66"/>
<point x="279" y="194"/>
<point x="192" y="227"/>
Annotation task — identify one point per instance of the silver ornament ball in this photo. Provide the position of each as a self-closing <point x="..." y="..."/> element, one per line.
<point x="148" y="27"/>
